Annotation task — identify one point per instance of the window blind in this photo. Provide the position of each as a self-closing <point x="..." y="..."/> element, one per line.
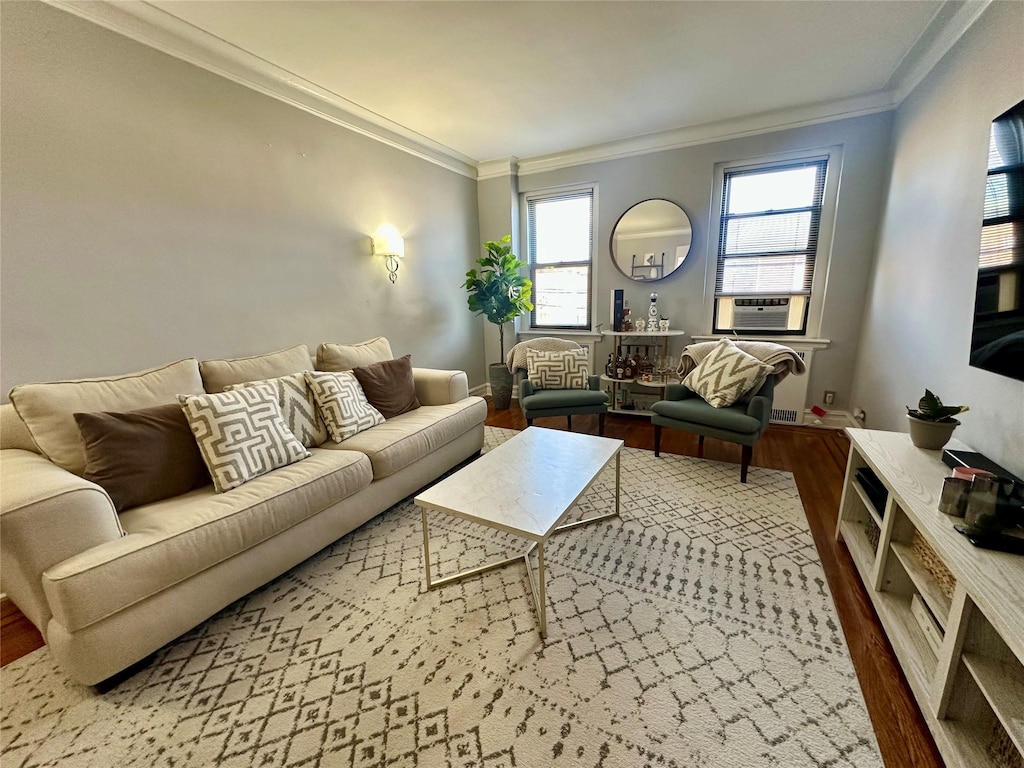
<point x="1002" y="231"/>
<point x="768" y="236"/>
<point x="560" y="241"/>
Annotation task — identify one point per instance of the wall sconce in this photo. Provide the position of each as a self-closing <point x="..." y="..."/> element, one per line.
<point x="392" y="247"/>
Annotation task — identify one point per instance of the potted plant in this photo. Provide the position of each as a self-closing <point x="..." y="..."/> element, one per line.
<point x="498" y="292"/>
<point x="932" y="424"/>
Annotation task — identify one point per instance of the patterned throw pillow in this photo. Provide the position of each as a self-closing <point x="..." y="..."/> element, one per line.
<point x="726" y="375"/>
<point x="342" y="403"/>
<point x="298" y="406"/>
<point x="241" y="435"/>
<point x="565" y="369"/>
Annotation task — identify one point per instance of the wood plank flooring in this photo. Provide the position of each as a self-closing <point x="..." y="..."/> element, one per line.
<point x="817" y="459"/>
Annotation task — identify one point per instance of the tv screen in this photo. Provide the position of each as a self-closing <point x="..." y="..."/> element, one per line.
<point x="997" y="344"/>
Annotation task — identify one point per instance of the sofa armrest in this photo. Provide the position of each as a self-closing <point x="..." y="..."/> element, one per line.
<point x="46" y="516"/>
<point x="760" y="406"/>
<point x="594" y="382"/>
<point x="678" y="392"/>
<point x="435" y="387"/>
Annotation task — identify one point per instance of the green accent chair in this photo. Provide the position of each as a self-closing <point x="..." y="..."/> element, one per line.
<point x="742" y="423"/>
<point x="538" y="403"/>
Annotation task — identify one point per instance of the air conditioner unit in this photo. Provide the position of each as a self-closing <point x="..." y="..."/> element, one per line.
<point x="760" y="314"/>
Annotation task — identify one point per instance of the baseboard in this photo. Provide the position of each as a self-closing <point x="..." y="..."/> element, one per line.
<point x="484" y="390"/>
<point x="831" y="420"/>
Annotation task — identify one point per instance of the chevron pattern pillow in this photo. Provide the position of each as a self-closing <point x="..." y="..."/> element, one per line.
<point x="241" y="435"/>
<point x="298" y="406"/>
<point x="342" y="403"/>
<point x="726" y="375"/>
<point x="564" y="369"/>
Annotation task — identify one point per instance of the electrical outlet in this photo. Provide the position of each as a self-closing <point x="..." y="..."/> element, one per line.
<point x="830" y="397"/>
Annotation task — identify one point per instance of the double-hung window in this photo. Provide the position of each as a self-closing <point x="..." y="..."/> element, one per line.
<point x="560" y="254"/>
<point x="768" y="241"/>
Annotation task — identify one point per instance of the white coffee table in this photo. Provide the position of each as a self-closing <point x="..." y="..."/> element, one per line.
<point x="525" y="486"/>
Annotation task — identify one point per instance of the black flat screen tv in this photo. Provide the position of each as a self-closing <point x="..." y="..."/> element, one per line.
<point x="997" y="343"/>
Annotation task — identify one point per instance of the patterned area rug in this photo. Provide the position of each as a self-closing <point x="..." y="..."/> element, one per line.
<point x="696" y="631"/>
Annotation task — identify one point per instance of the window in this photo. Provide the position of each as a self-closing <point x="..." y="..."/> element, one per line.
<point x="560" y="251"/>
<point x="768" y="240"/>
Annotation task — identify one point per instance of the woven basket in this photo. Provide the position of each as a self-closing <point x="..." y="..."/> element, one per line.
<point x="1001" y="749"/>
<point x="931" y="563"/>
<point x="872" y="533"/>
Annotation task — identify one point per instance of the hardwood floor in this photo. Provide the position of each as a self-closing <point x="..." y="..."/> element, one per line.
<point x="817" y="459"/>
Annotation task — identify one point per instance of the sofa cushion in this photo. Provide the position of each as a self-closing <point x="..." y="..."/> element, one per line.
<point x="172" y="540"/>
<point x="732" y="418"/>
<point x="563" y="398"/>
<point x="48" y="409"/>
<point x="298" y="406"/>
<point x="727" y="374"/>
<point x="342" y="403"/>
<point x="218" y="374"/>
<point x="345" y="357"/>
<point x="241" y="435"/>
<point x="141" y="456"/>
<point x="389" y="386"/>
<point x="400" y="441"/>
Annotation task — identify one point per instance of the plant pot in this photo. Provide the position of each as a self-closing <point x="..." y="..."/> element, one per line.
<point x="501" y="385"/>
<point x="931" y="435"/>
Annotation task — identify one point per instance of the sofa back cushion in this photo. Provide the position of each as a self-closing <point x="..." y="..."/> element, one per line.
<point x="141" y="456"/>
<point x="48" y="409"/>
<point x="389" y="386"/>
<point x="218" y="375"/>
<point x="298" y="406"/>
<point x="13" y="432"/>
<point x="345" y="357"/>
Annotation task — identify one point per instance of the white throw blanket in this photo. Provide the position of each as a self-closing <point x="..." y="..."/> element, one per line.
<point x="784" y="359"/>
<point x="516" y="357"/>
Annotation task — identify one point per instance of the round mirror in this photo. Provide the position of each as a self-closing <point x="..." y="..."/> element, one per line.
<point x="650" y="240"/>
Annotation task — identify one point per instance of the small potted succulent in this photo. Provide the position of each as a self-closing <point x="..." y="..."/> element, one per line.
<point x="932" y="424"/>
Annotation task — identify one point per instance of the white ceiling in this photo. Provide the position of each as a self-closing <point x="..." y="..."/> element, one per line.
<point x="477" y="86"/>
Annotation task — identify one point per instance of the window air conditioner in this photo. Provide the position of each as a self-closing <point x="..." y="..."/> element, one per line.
<point x="760" y="314"/>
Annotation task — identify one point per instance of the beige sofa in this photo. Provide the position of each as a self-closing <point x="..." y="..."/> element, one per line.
<point x="107" y="590"/>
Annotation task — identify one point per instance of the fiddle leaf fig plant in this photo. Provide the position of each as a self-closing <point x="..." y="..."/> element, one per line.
<point x="930" y="408"/>
<point x="497" y="290"/>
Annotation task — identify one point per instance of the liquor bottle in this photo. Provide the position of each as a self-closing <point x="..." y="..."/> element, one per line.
<point x="627" y="321"/>
<point x="619" y="368"/>
<point x="609" y="368"/>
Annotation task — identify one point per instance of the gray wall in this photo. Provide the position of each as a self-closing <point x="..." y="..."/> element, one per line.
<point x="917" y="326"/>
<point x="497" y="199"/>
<point x="152" y="211"/>
<point x="686" y="176"/>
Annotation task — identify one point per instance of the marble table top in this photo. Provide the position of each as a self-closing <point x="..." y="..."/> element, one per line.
<point x="525" y="485"/>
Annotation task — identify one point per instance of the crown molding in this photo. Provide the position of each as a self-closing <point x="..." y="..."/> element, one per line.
<point x="935" y="43"/>
<point x="494" y="169"/>
<point x="706" y="133"/>
<point x="158" y="29"/>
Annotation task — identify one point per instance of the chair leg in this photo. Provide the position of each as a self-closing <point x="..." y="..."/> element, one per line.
<point x="600" y="424"/>
<point x="700" y="446"/>
<point x="748" y="452"/>
<point x="568" y="420"/>
<point x="657" y="439"/>
<point x="529" y="422"/>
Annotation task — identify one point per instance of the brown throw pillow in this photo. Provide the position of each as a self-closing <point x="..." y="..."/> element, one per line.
<point x="389" y="386"/>
<point x="141" y="456"/>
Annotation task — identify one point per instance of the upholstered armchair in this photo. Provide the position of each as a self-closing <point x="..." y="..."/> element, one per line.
<point x="743" y="422"/>
<point x="538" y="403"/>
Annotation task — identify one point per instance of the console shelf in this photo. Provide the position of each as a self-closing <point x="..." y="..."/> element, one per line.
<point x="965" y="668"/>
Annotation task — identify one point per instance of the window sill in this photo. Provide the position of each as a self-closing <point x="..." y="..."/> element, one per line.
<point x="787" y="340"/>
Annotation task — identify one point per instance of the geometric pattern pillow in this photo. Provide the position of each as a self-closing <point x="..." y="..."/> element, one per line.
<point x="726" y="375"/>
<point x="565" y="369"/>
<point x="342" y="403"/>
<point x="241" y="435"/>
<point x="298" y="406"/>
